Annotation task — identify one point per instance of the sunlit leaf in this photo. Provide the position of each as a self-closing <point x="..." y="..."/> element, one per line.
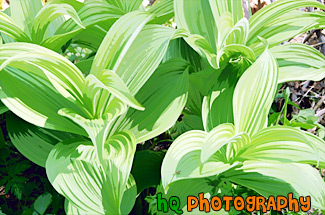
<point x="299" y="62"/>
<point x="258" y="84"/>
<point x="168" y="87"/>
<point x="75" y="172"/>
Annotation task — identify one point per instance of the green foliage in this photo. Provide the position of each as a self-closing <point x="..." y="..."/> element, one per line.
<point x="85" y="91"/>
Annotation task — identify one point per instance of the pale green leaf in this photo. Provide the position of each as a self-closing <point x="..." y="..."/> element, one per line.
<point x="91" y="13"/>
<point x="168" y="87"/>
<point x="285" y="144"/>
<point x="254" y="94"/>
<point x="23" y="13"/>
<point x="289" y="26"/>
<point x="75" y="172"/>
<point x="238" y="34"/>
<point x="216" y="138"/>
<point x="183" y="159"/>
<point x="163" y="11"/>
<point x="220" y="7"/>
<point x="299" y="62"/>
<point x="280" y="21"/>
<point x="113" y="83"/>
<point x="35" y="100"/>
<point x="204" y="48"/>
<point x="49" y="13"/>
<point x="97" y="129"/>
<point x="112" y="50"/>
<point x="136" y="55"/>
<point x="9" y="28"/>
<point x="197" y="18"/>
<point x="63" y="74"/>
<point x="234" y="52"/>
<point x="70" y="209"/>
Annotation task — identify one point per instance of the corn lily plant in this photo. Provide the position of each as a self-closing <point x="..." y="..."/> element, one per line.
<point x="82" y="122"/>
<point x="228" y="43"/>
<point x="30" y="21"/>
<point x="225" y="134"/>
<point x="98" y="118"/>
<point x="269" y="160"/>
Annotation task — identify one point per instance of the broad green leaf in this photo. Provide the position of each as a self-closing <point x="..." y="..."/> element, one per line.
<point x="200" y="84"/>
<point x="112" y="51"/>
<point x="49" y="13"/>
<point x="163" y="11"/>
<point x="85" y="65"/>
<point x="42" y="203"/>
<point x="144" y="56"/>
<point x="97" y="129"/>
<point x="285" y="144"/>
<point x="168" y="87"/>
<point x="126" y="5"/>
<point x="183" y="159"/>
<point x="216" y="139"/>
<point x="258" y="84"/>
<point x="70" y="209"/>
<point x="9" y="28"/>
<point x="91" y="13"/>
<point x="203" y="47"/>
<point x="129" y="196"/>
<point x="136" y="55"/>
<point x="35" y="100"/>
<point x="113" y="83"/>
<point x="217" y="105"/>
<point x="225" y="25"/>
<point x="279" y="22"/>
<point x="146" y="169"/>
<point x="63" y="74"/>
<point x="23" y="13"/>
<point x="197" y="18"/>
<point x="75" y="172"/>
<point x="220" y="7"/>
<point x="33" y="142"/>
<point x="178" y="48"/>
<point x="289" y="26"/>
<point x="90" y="38"/>
<point x="299" y="62"/>
<point x="74" y="3"/>
<point x="238" y="34"/>
<point x="223" y="144"/>
<point x="281" y="179"/>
